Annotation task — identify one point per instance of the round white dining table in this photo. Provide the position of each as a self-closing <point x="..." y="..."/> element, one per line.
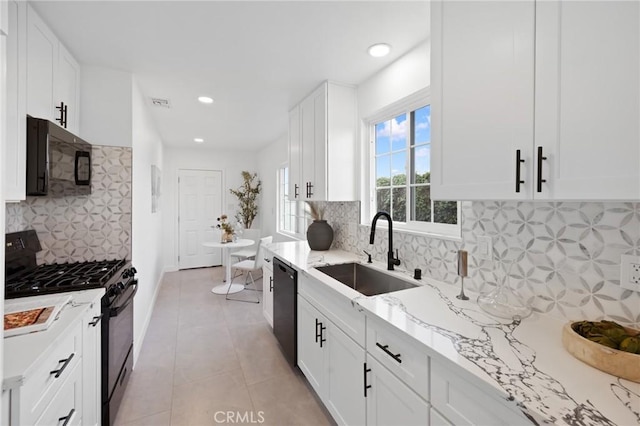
<point x="228" y="288"/>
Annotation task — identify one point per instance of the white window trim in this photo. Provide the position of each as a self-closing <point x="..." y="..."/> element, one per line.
<point x="288" y="234"/>
<point x="436" y="230"/>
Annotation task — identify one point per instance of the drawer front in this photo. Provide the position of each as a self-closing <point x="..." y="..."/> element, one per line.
<point x="65" y="407"/>
<point x="267" y="260"/>
<point x="461" y="403"/>
<point x="401" y="356"/>
<point x="336" y="307"/>
<point x="42" y="384"/>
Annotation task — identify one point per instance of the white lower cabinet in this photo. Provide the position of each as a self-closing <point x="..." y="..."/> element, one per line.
<point x="267" y="289"/>
<point x="63" y="385"/>
<point x="390" y="401"/>
<point x="436" y="419"/>
<point x="333" y="364"/>
<point x="66" y="406"/>
<point x="461" y="402"/>
<point x="91" y="365"/>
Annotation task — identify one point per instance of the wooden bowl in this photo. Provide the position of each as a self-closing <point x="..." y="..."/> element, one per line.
<point x="619" y="363"/>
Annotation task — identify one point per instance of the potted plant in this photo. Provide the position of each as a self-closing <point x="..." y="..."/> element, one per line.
<point x="226" y="228"/>
<point x="247" y="195"/>
<point x="319" y="233"/>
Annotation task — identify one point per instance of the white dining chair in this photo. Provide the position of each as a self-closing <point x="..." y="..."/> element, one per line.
<point x="248" y="266"/>
<point x="248" y="252"/>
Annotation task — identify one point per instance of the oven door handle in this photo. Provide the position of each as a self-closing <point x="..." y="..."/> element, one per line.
<point x="114" y="312"/>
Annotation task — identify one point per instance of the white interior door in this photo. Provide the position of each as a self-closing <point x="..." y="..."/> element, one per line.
<point x="200" y="198"/>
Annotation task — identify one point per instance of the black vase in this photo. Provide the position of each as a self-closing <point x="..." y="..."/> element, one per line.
<point x="320" y="235"/>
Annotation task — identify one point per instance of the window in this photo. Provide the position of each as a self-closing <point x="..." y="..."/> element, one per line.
<point x="288" y="211"/>
<point x="401" y="172"/>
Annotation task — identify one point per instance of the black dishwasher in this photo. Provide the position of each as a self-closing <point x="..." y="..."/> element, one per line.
<point x="285" y="309"/>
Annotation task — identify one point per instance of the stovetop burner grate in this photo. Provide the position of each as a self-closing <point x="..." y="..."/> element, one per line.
<point x="62" y="277"/>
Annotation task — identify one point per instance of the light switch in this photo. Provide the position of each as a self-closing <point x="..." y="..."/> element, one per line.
<point x="485" y="248"/>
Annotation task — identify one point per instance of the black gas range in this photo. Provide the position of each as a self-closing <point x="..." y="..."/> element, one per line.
<point x="23" y="277"/>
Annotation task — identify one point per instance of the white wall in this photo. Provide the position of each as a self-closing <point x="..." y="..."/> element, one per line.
<point x="231" y="163"/>
<point x="272" y="157"/>
<point x="405" y="76"/>
<point x="147" y="227"/>
<point x="106" y="108"/>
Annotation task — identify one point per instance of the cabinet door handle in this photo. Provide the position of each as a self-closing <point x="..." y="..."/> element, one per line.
<point x="96" y="320"/>
<point x="322" y="339"/>
<point x="366" y="386"/>
<point x="67" y="418"/>
<point x="540" y="159"/>
<point x="317" y="334"/>
<point x="388" y="352"/>
<point x="270" y="284"/>
<point x="59" y="371"/>
<point x="519" y="160"/>
<point x="296" y="189"/>
<point x="62" y="120"/>
<point x="309" y="190"/>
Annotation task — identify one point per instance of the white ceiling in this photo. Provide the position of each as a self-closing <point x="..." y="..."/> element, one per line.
<point x="256" y="59"/>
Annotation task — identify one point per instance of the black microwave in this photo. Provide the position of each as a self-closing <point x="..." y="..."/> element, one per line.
<point x="58" y="162"/>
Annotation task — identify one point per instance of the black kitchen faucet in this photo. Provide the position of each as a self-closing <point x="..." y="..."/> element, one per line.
<point x="391" y="260"/>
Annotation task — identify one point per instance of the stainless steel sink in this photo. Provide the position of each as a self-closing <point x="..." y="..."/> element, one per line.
<point x="365" y="280"/>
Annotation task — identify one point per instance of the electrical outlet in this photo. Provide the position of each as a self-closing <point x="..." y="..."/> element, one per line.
<point x="630" y="272"/>
<point x="485" y="248"/>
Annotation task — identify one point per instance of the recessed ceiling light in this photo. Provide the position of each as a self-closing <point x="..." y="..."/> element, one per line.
<point x="379" y="50"/>
<point x="205" y="99"/>
<point x="198" y="140"/>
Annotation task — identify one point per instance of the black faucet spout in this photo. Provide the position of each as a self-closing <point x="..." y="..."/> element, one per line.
<point x="391" y="259"/>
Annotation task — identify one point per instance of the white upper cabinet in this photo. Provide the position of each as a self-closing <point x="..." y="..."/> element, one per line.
<point x="482" y="98"/>
<point x="67" y="89"/>
<point x="587" y="105"/>
<point x="16" y="146"/>
<point x="42" y="58"/>
<point x="322" y="145"/>
<point x="535" y="100"/>
<point x="4" y="17"/>
<point x="294" y="148"/>
<point x="53" y="76"/>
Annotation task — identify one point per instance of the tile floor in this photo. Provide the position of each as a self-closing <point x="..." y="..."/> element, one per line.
<point x="204" y="357"/>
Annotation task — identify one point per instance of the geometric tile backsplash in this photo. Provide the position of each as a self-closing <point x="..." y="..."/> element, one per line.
<point x="75" y="228"/>
<point x="565" y="255"/>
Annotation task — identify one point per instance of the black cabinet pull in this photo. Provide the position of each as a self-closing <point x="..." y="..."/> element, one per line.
<point x="388" y="352"/>
<point x="59" y="371"/>
<point x="296" y="189"/>
<point x="366" y="386"/>
<point x="63" y="115"/>
<point x="96" y="320"/>
<point x="519" y="160"/>
<point x="309" y="190"/>
<point x="270" y="284"/>
<point x="322" y="339"/>
<point x="67" y="418"/>
<point x="540" y="159"/>
<point x="317" y="334"/>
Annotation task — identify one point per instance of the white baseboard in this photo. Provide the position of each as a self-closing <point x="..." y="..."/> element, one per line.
<point x="172" y="268"/>
<point x="137" y="347"/>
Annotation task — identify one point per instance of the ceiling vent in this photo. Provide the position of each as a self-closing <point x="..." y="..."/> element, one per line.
<point x="164" y="103"/>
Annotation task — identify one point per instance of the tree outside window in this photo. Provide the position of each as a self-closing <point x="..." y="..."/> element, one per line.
<point x="402" y="155"/>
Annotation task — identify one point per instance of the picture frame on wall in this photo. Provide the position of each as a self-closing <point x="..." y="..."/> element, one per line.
<point x="156" y="181"/>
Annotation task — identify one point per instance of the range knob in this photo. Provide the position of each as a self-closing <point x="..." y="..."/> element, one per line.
<point x="133" y="270"/>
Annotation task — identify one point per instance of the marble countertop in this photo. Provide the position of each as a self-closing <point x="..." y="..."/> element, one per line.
<point x="524" y="361"/>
